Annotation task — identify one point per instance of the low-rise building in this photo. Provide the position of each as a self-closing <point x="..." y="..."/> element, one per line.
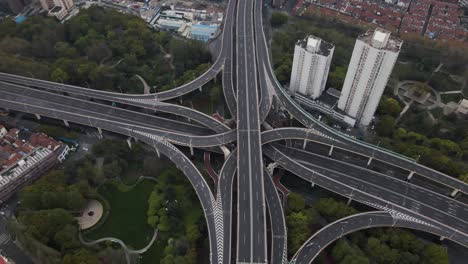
<point x="462" y="107"/>
<point x="24" y="157"/>
<point x="203" y="32"/>
<point x="57" y="8"/>
<point x="190" y="23"/>
<point x="3" y="131"/>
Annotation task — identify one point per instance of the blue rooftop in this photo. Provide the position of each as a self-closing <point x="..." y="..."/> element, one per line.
<point x="20" y="19"/>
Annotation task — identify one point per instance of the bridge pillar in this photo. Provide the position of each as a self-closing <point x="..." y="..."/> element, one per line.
<point x="349" y="201"/>
<point x="129" y="142"/>
<point x="38" y="117"/>
<point x="312" y="184"/>
<point x="410" y="176"/>
<point x="200" y="88"/>
<point x="66" y="123"/>
<point x="369" y="162"/>
<point x="331" y="151"/>
<point x="442" y="238"/>
<point x="100" y="132"/>
<point x="157" y="152"/>
<point x="271" y="167"/>
<point x="455" y="192"/>
<point x="305" y="144"/>
<point x="191" y="150"/>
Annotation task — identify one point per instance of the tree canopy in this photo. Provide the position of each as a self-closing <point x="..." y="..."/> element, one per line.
<point x="100" y="48"/>
<point x="278" y="19"/>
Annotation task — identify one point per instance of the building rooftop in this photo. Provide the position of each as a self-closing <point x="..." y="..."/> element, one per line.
<point x="316" y="45"/>
<point x="16" y="145"/>
<point x="381" y="39"/>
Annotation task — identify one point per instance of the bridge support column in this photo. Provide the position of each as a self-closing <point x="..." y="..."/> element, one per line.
<point x="369" y="162"/>
<point x="312" y="184"/>
<point x="38" y="117"/>
<point x="191" y="150"/>
<point x="331" y="151"/>
<point x="442" y="238"/>
<point x="157" y="152"/>
<point x="129" y="142"/>
<point x="200" y="88"/>
<point x="66" y="123"/>
<point x="100" y="132"/>
<point x="410" y="176"/>
<point x="455" y="192"/>
<point x="271" y="167"/>
<point x="305" y="144"/>
<point x="349" y="201"/>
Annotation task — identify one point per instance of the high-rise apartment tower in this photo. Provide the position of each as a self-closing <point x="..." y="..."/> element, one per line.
<point x="312" y="59"/>
<point x="374" y="56"/>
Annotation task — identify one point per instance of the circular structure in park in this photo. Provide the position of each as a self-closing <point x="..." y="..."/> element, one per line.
<point x="421" y="93"/>
<point x="90" y="215"/>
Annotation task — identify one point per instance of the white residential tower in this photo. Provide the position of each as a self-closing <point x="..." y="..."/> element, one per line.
<point x="374" y="56"/>
<point x="312" y="59"/>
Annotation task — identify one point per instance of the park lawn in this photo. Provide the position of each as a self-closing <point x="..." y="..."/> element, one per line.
<point x="154" y="253"/>
<point x="127" y="217"/>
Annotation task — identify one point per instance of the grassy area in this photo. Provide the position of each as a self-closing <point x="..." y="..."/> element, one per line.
<point x="446" y="98"/>
<point x="155" y="252"/>
<point x="127" y="218"/>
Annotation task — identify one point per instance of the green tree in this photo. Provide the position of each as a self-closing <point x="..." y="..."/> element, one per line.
<point x="434" y="254"/>
<point x="112" y="169"/>
<point x="336" y="78"/>
<point x="193" y="233"/>
<point x="64" y="50"/>
<point x="296" y="202"/>
<point x="389" y="106"/>
<point x="98" y="52"/>
<point x="385" y="126"/>
<point x="75" y="201"/>
<point x="298" y="230"/>
<point x="153" y="220"/>
<point x="67" y="238"/>
<point x="81" y="256"/>
<point x="278" y="19"/>
<point x="59" y="75"/>
<point x="43" y="225"/>
<point x="333" y="210"/>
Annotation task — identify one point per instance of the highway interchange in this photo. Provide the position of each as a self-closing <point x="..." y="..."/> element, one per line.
<point x="245" y="193"/>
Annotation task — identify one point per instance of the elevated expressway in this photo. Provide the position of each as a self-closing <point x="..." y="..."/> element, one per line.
<point x="249" y="84"/>
<point x="178" y="110"/>
<point x="368" y="194"/>
<point x="101" y="116"/>
<point x="330" y="233"/>
<point x="251" y="221"/>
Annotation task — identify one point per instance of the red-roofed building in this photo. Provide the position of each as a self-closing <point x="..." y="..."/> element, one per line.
<point x="439" y="19"/>
<point x="24" y="158"/>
